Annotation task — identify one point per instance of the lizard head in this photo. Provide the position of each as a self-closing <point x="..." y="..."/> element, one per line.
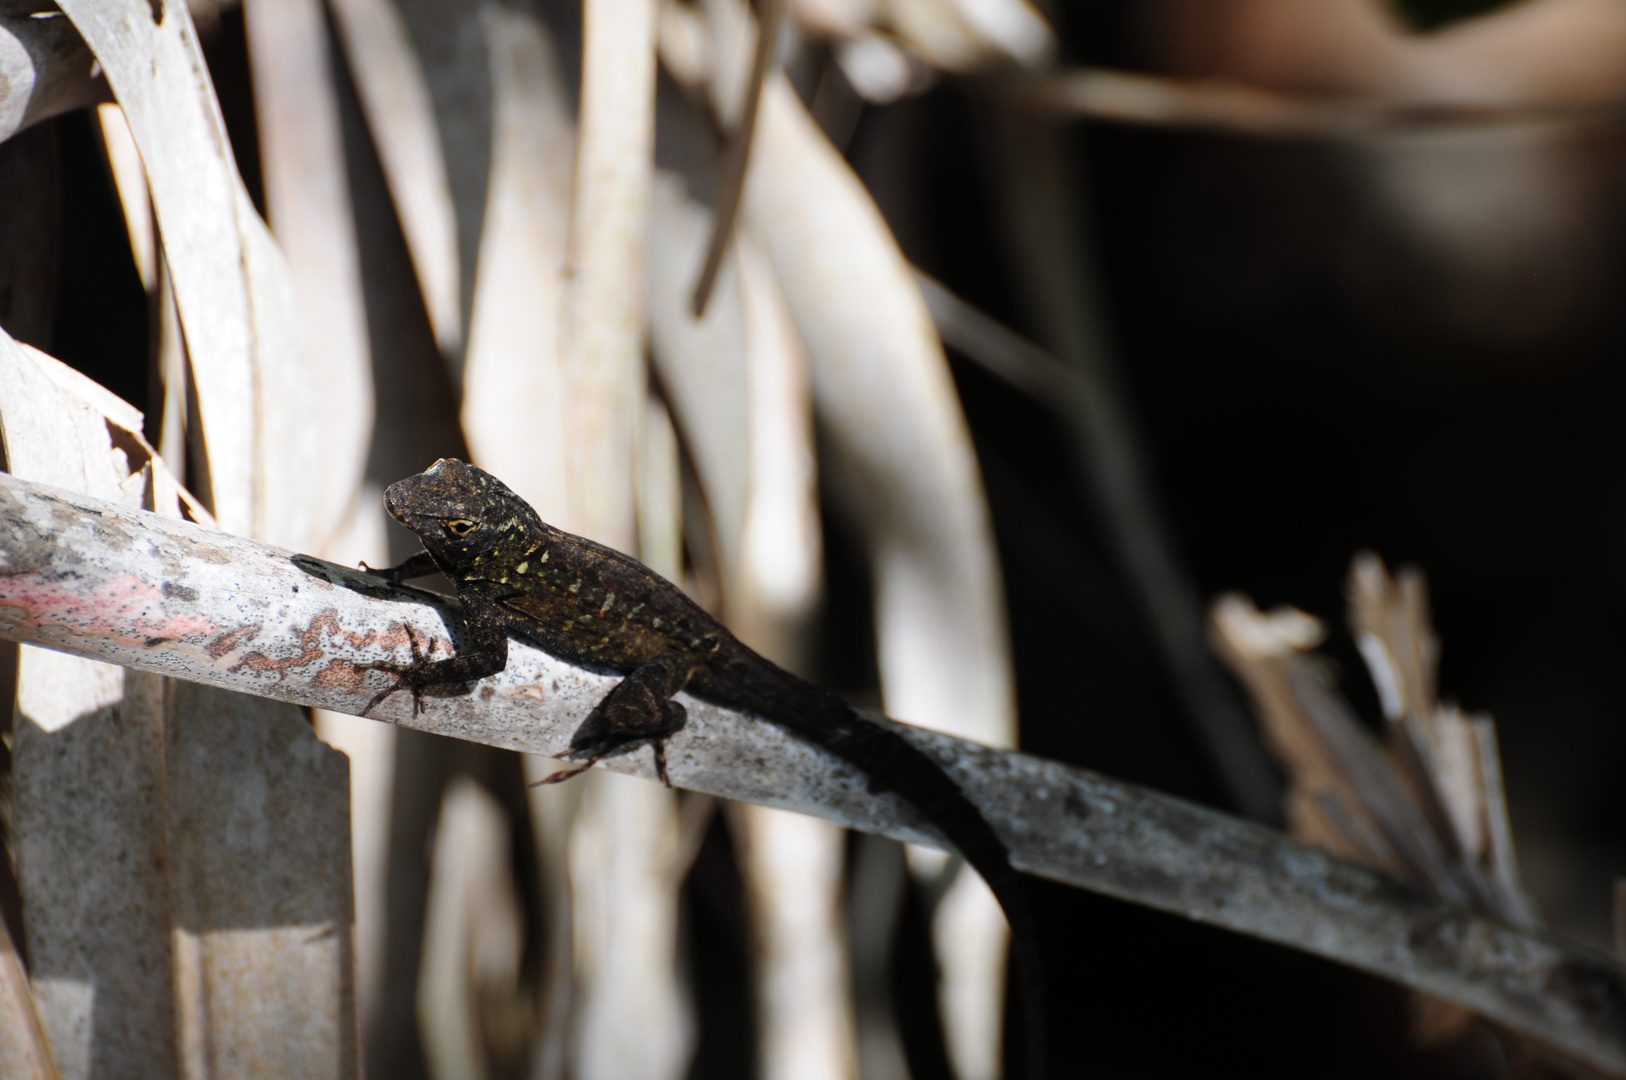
<point x="460" y="512"/>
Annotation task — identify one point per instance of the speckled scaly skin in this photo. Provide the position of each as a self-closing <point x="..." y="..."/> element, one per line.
<point x="589" y="604"/>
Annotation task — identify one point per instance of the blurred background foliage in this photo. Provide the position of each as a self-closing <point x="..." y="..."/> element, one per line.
<point x="1407" y="341"/>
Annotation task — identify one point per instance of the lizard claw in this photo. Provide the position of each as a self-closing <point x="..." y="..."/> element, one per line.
<point x="565" y="774"/>
<point x="659" y="746"/>
<point x="403" y="676"/>
<point x="380" y="696"/>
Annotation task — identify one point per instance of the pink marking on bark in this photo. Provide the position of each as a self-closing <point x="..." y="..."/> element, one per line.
<point x="122" y="608"/>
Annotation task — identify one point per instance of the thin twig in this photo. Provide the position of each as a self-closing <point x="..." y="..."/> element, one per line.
<point x="737" y="157"/>
<point x="1109" y="458"/>
<point x="92" y="578"/>
<point x="1231" y="107"/>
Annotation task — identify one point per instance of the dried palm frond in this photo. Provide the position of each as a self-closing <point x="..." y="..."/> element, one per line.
<point x="1424" y="799"/>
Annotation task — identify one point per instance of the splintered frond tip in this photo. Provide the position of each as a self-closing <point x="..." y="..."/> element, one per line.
<point x="1279" y="632"/>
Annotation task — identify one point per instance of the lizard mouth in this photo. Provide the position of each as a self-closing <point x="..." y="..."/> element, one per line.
<point x="394" y="497"/>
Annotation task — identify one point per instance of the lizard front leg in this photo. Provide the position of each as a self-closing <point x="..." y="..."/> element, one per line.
<point x="484" y="653"/>
<point x="420" y="565"/>
<point x="639" y="709"/>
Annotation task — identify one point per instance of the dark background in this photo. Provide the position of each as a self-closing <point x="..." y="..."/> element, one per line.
<point x="1302" y="398"/>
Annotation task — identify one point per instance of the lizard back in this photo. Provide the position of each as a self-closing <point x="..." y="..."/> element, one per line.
<point x="592" y="605"/>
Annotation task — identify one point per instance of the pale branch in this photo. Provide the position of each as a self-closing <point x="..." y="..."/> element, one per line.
<point x="96" y="579"/>
<point x="45" y="66"/>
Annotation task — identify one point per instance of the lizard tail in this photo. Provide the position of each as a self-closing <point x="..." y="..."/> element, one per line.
<point x="894" y="764"/>
<point x="923" y="783"/>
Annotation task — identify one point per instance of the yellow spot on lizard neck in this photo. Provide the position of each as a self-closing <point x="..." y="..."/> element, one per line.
<point x="522" y="567"/>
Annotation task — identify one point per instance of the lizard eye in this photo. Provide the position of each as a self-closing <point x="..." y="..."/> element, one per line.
<point x="460" y="526"/>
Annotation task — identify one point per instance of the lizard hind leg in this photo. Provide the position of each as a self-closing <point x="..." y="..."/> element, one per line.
<point x="609" y="746"/>
<point x="639" y="709"/>
<point x="675" y="717"/>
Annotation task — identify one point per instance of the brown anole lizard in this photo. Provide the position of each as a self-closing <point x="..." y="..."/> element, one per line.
<point x="591" y="605"/>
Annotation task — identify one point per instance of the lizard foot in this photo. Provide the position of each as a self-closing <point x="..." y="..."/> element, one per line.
<point x="420" y="565"/>
<point x="658" y="745"/>
<point x="565" y="774"/>
<point x="403" y="677"/>
<point x="638" y="710"/>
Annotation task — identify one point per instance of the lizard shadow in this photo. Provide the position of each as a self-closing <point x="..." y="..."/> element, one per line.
<point x="594" y="737"/>
<point x="448" y="607"/>
<point x="360" y="581"/>
<point x="377" y="588"/>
